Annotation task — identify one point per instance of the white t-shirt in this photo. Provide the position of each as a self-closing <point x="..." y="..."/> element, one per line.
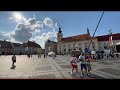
<point x="82" y="59"/>
<point x="74" y="60"/>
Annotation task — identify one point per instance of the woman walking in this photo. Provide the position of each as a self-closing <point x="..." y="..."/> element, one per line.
<point x="74" y="64"/>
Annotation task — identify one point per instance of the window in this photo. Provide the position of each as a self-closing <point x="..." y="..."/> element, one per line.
<point x="58" y="36"/>
<point x="69" y="50"/>
<point x="92" y="42"/>
<point x="64" y="49"/>
<point x="79" y="44"/>
<point x="64" y="45"/>
<point x="79" y="48"/>
<point x="60" y="46"/>
<point x="85" y="43"/>
<point x="99" y="43"/>
<point x="93" y="46"/>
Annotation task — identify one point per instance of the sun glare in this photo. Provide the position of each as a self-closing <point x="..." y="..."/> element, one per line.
<point x="18" y="16"/>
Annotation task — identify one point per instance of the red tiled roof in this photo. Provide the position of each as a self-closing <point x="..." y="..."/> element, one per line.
<point x="76" y="38"/>
<point x="106" y="37"/>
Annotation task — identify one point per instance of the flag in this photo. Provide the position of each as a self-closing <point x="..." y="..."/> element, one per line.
<point x="110" y="40"/>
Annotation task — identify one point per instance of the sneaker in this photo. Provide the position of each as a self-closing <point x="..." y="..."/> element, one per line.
<point x="82" y="73"/>
<point x="89" y="73"/>
<point x="71" y="72"/>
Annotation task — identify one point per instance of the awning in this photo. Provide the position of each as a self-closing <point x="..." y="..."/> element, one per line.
<point x="51" y="53"/>
<point x="117" y="43"/>
<point x="93" y="52"/>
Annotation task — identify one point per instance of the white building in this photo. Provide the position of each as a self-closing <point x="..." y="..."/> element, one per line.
<point x="78" y="42"/>
<point x="103" y="41"/>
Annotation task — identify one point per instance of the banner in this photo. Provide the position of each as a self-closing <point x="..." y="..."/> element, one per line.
<point x="110" y="40"/>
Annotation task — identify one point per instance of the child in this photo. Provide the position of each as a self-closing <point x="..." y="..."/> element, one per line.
<point x="74" y="64"/>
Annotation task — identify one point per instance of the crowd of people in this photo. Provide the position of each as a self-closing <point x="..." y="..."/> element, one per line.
<point x="84" y="60"/>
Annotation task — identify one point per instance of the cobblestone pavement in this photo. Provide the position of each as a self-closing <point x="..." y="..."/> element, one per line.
<point x="58" y="68"/>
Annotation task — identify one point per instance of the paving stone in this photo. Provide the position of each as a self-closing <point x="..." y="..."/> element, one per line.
<point x="43" y="63"/>
<point x="61" y="62"/>
<point x="45" y="76"/>
<point x="65" y="66"/>
<point x="110" y="71"/>
<point x="57" y="59"/>
<point x="85" y="76"/>
<point x="105" y="63"/>
<point x="42" y="68"/>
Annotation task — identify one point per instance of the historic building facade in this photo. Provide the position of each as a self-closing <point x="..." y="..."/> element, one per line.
<point x="30" y="47"/>
<point x="103" y="41"/>
<point x="50" y="46"/>
<point x="79" y="42"/>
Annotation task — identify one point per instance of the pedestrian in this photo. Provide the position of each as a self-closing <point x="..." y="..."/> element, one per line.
<point x="88" y="60"/>
<point x="117" y="55"/>
<point x="13" y="60"/>
<point x="38" y="55"/>
<point x="83" y="63"/>
<point x="74" y="64"/>
<point x="102" y="56"/>
<point x="44" y="55"/>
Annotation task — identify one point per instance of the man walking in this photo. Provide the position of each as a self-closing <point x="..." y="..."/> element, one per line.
<point x="13" y="59"/>
<point x="83" y="63"/>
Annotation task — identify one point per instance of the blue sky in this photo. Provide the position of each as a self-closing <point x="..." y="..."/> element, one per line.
<point x="47" y="23"/>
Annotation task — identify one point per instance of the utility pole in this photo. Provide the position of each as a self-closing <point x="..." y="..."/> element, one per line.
<point x="95" y="30"/>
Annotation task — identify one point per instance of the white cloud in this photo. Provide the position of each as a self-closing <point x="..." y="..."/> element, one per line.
<point x="48" y="22"/>
<point x="25" y="29"/>
<point x="44" y="37"/>
<point x="4" y="36"/>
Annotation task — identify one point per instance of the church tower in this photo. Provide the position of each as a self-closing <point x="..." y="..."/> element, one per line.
<point x="59" y="35"/>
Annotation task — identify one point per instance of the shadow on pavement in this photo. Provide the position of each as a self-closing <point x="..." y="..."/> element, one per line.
<point x="13" y="67"/>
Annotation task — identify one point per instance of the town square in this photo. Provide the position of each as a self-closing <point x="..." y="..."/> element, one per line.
<point x="47" y="45"/>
